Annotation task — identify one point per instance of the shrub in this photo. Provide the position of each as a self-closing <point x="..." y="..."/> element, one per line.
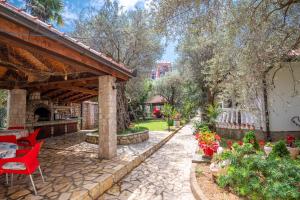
<point x="252" y="175"/>
<point x="280" y="150"/>
<point x="251" y="138"/>
<point x="201" y="126"/>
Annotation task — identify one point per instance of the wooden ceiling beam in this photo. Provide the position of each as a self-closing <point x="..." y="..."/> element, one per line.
<point x="65" y="95"/>
<point x="29" y="57"/>
<point x="78" y="89"/>
<point x="59" y="48"/>
<point x="72" y="98"/>
<point x="51" y="93"/>
<point x="83" y="98"/>
<point x="57" y="83"/>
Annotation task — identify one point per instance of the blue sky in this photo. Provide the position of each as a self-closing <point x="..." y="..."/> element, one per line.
<point x="72" y="9"/>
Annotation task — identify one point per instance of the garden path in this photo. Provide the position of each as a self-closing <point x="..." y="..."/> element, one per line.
<point x="163" y="176"/>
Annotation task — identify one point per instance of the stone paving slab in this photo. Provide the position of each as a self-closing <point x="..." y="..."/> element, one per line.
<point x="73" y="171"/>
<point x="163" y="176"/>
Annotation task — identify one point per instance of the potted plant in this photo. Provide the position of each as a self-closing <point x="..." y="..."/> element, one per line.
<point x="292" y="146"/>
<point x="268" y="148"/>
<point x="177" y="120"/>
<point x="208" y="142"/>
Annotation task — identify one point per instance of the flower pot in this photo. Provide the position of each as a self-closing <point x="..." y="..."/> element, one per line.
<point x="294" y="152"/>
<point x="176" y="123"/>
<point x="268" y="149"/>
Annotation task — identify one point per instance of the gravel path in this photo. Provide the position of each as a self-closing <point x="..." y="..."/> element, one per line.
<point x="164" y="175"/>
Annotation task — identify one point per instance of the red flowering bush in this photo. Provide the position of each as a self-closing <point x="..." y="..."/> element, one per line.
<point x="208" y="141"/>
<point x="290" y="140"/>
<point x="156" y="112"/>
<point x="229" y="144"/>
<point x="261" y="143"/>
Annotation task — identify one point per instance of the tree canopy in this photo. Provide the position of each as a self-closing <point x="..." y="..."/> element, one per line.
<point x="46" y="10"/>
<point x="229" y="46"/>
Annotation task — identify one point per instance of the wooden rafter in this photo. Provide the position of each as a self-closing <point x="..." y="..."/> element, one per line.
<point x="72" y="98"/>
<point x="84" y="98"/>
<point x="64" y="95"/>
<point x="18" y="68"/>
<point x="30" y="58"/>
<point x="57" y="83"/>
<point x="55" y="49"/>
<point x="51" y="93"/>
<point x="78" y="89"/>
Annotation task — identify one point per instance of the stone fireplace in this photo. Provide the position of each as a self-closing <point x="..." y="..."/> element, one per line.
<point x="42" y="114"/>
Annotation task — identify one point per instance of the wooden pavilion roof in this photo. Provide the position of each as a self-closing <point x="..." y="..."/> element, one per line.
<point x="37" y="57"/>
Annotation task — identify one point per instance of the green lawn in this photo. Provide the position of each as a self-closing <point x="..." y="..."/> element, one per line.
<point x="153" y="124"/>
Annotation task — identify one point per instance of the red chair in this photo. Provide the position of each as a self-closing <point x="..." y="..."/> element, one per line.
<point x="26" y="164"/>
<point x="8" y="138"/>
<point x="16" y="128"/>
<point x="29" y="140"/>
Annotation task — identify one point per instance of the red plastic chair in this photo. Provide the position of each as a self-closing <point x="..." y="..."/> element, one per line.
<point x="26" y="164"/>
<point x="16" y="128"/>
<point x="8" y="138"/>
<point x="29" y="140"/>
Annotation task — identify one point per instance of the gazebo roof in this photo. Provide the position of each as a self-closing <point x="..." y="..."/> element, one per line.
<point x="36" y="56"/>
<point x="156" y="100"/>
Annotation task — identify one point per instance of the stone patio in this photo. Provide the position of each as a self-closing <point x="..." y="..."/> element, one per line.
<point x="165" y="175"/>
<point x="72" y="169"/>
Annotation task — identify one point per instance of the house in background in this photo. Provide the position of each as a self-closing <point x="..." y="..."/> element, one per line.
<point x="154" y="104"/>
<point x="277" y="107"/>
<point x="162" y="68"/>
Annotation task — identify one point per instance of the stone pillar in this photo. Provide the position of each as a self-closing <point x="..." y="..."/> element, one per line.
<point x="16" y="107"/>
<point x="107" y="97"/>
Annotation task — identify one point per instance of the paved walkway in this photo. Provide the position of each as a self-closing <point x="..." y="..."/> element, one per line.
<point x="164" y="175"/>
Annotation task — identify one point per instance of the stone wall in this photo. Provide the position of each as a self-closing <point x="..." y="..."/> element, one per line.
<point x="90" y="115"/>
<point x="16" y="108"/>
<point x="131" y="138"/>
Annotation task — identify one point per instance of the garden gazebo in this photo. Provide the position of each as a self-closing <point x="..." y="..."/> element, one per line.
<point x="35" y="57"/>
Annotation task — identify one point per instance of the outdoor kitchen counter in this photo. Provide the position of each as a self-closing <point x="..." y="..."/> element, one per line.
<point x="54" y="128"/>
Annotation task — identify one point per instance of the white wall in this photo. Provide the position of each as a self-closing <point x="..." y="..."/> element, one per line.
<point x="283" y="100"/>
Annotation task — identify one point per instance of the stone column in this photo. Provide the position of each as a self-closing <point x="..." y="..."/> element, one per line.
<point x="16" y="107"/>
<point x="107" y="97"/>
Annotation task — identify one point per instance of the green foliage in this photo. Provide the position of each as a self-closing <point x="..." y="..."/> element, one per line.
<point x="46" y="10"/>
<point x="212" y="112"/>
<point x="297" y="143"/>
<point x="168" y="111"/>
<point x="188" y="109"/>
<point x="200" y="126"/>
<point x="252" y="175"/>
<point x="170" y="87"/>
<point x="2" y="117"/>
<point x="280" y="150"/>
<point x="251" y="138"/>
<point x="170" y="122"/>
<point x="3" y="100"/>
<point x="224" y="42"/>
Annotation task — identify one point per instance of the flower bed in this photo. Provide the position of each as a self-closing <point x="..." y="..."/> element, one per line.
<point x="208" y="186"/>
<point x="244" y="169"/>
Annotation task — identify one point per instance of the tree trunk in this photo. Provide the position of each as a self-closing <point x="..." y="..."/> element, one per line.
<point x="123" y="120"/>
